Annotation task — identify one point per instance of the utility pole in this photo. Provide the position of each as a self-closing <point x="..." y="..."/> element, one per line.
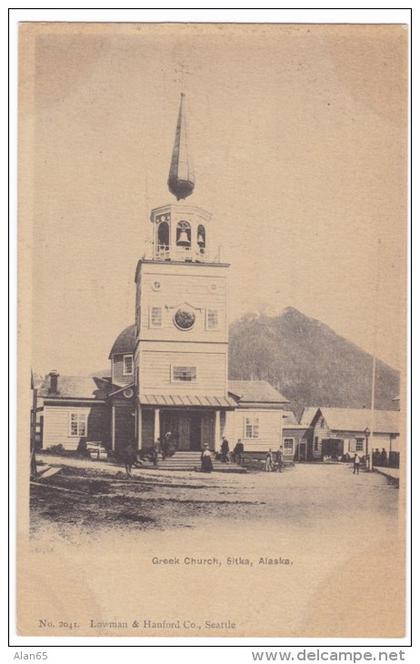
<point x="369" y="455"/>
<point x="372" y="414"/>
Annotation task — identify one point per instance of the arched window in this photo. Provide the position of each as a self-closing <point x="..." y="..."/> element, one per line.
<point x="201" y="238"/>
<point x="183" y="234"/>
<point x="163" y="234"/>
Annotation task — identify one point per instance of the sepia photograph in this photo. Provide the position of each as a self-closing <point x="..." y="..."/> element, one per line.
<point x="212" y="436"/>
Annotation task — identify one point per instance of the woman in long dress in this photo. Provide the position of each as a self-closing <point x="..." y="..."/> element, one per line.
<point x="206" y="461"/>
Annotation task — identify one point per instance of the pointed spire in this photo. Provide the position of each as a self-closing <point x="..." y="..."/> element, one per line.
<point x="181" y="173"/>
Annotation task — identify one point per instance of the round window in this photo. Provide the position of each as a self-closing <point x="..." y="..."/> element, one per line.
<point x="184" y="319"/>
<point x="156" y="285"/>
<point x="128" y="393"/>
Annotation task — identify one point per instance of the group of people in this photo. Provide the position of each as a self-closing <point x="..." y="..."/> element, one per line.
<point x="274" y="461"/>
<point x="225" y="455"/>
<point x="165" y="446"/>
<point x="236" y="455"/>
<point x="380" y="458"/>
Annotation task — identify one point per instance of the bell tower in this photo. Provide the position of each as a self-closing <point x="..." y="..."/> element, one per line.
<point x="180" y="232"/>
<point x="181" y="357"/>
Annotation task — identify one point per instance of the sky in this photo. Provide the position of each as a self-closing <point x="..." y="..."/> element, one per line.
<point x="298" y="136"/>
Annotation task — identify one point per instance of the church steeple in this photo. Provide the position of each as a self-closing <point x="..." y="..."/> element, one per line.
<point x="181" y="174"/>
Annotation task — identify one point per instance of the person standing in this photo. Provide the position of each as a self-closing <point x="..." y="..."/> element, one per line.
<point x="280" y="459"/>
<point x="165" y="444"/>
<point x="155" y="452"/>
<point x="238" y="452"/>
<point x="130" y="457"/>
<point x="206" y="460"/>
<point x="269" y="461"/>
<point x="356" y="464"/>
<point x="225" y="449"/>
<point x="384" y="457"/>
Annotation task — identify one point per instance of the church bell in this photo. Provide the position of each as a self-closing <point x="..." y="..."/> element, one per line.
<point x="183" y="239"/>
<point x="200" y="239"/>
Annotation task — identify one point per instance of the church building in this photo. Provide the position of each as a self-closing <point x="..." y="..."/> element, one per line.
<point x="169" y="369"/>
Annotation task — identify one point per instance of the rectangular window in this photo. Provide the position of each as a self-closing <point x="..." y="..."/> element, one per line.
<point x="185" y="374"/>
<point x="316" y="444"/>
<point x="128" y="365"/>
<point x="78" y="424"/>
<point x="288" y="444"/>
<point x="252" y="427"/>
<point x="360" y="444"/>
<point x="212" y="319"/>
<point x="156" y="317"/>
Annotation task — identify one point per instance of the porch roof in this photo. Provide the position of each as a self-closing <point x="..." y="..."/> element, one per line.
<point x="187" y="401"/>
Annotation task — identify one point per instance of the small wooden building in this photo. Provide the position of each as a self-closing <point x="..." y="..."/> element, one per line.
<point x="258" y="415"/>
<point x="336" y="432"/>
<point x="73" y="410"/>
<point x="296" y="438"/>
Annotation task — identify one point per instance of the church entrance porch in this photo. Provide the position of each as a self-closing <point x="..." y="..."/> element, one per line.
<point x="190" y="429"/>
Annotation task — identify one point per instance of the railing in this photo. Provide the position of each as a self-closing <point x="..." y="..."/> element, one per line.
<point x="163" y="252"/>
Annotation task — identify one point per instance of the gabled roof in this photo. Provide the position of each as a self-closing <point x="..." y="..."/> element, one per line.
<point x="77" y="387"/>
<point x="255" y="391"/>
<point x="308" y="415"/>
<point x="358" y="419"/>
<point x="125" y="342"/>
<point x="289" y="419"/>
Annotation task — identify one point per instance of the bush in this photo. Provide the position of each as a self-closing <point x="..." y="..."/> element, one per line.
<point x="56" y="449"/>
<point x="59" y="450"/>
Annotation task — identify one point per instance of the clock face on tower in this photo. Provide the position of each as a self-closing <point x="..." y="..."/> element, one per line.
<point x="184" y="319"/>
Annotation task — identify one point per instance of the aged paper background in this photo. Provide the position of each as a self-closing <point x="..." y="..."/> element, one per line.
<point x="83" y="221"/>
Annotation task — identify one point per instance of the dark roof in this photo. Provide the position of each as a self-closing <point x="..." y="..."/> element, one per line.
<point x="77" y="387"/>
<point x="125" y="342"/>
<point x="255" y="391"/>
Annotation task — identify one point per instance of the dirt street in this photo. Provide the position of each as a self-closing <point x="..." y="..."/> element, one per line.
<point x="102" y="534"/>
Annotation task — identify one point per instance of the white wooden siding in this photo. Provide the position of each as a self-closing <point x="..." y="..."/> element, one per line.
<point x="57" y="426"/>
<point x="156" y="368"/>
<point x="198" y="285"/>
<point x="269" y="429"/>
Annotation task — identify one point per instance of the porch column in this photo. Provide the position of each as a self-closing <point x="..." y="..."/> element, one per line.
<point x="157" y="424"/>
<point x="216" y="429"/>
<point x="139" y="426"/>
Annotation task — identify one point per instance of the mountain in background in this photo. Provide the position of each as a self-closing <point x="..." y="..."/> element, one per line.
<point x="308" y="362"/>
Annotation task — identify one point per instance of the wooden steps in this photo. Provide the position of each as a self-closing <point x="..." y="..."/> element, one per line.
<point x="191" y="460"/>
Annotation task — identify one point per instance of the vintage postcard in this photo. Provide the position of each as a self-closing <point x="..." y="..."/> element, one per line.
<point x="212" y="325"/>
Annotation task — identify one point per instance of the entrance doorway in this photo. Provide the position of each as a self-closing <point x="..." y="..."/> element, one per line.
<point x="191" y="429"/>
<point x="195" y="431"/>
<point x="332" y="447"/>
